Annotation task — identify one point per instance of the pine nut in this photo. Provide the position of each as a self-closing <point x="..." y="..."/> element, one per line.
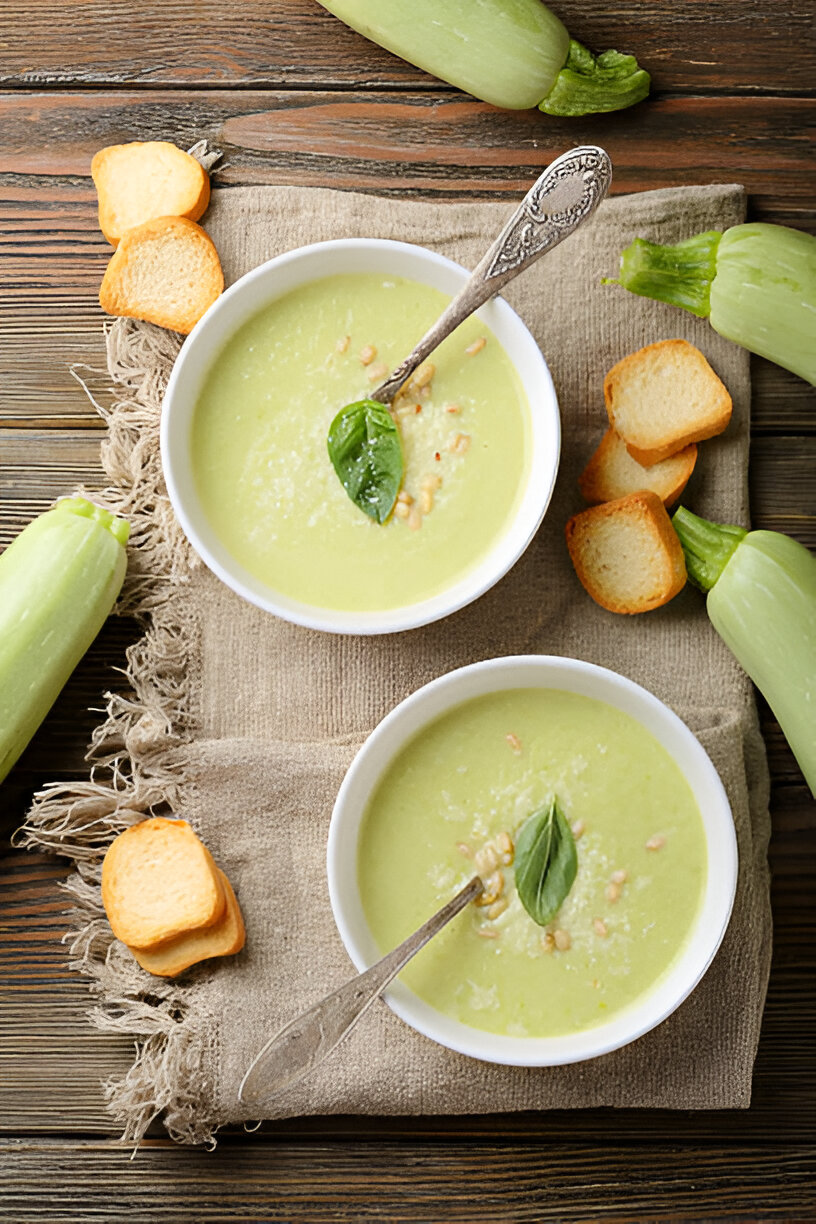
<point x="504" y="845"/>
<point x="342" y="344"/>
<point x="656" y="842"/>
<point x="486" y="859"/>
<point x="377" y="371"/>
<point x="367" y="354"/>
<point x="578" y="828"/>
<point x="493" y="888"/>
<point x="547" y="942"/>
<point x="601" y="929"/>
<point x="402" y="510"/>
<point x="424" y="374"/>
<point x="432" y="481"/>
<point x="514" y="742"/>
<point x="497" y="908"/>
<point x="414" y="519"/>
<point x="405" y="496"/>
<point x="426" y="501"/>
<point x="487" y="933"/>
<point x="562" y="941"/>
<point x="613" y="892"/>
<point x="465" y="849"/>
<point x="476" y="347"/>
<point x="619" y="877"/>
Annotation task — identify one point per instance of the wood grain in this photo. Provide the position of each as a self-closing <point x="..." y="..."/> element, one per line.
<point x="759" y="46"/>
<point x="528" y="1182"/>
<point x="422" y="141"/>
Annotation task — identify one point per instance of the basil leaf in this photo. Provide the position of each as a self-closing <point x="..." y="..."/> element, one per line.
<point x="546" y="863"/>
<point x="366" y="450"/>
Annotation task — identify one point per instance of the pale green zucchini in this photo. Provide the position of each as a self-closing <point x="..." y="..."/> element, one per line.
<point x="511" y="53"/>
<point x="755" y="283"/>
<point x="58" y="582"/>
<point x="761" y="599"/>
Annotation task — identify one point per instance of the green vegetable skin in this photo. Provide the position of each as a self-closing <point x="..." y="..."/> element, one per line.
<point x="511" y="53"/>
<point x="762" y="601"/>
<point x="756" y="283"/>
<point x="58" y="582"/>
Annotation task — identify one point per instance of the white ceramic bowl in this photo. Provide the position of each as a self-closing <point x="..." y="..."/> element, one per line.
<point x="537" y="671"/>
<point x="256" y="290"/>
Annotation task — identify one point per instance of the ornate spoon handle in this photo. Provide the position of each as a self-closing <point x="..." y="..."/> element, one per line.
<point x="568" y="192"/>
<point x="308" y="1039"/>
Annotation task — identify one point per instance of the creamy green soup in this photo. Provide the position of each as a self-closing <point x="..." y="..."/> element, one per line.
<point x="458" y="793"/>
<point x="262" y="470"/>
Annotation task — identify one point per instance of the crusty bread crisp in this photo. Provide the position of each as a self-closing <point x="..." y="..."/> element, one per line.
<point x="158" y="882"/>
<point x="612" y="472"/>
<point x="223" y="938"/>
<point x="662" y="398"/>
<point x="139" y="181"/>
<point x="166" y="271"/>
<point x="626" y="553"/>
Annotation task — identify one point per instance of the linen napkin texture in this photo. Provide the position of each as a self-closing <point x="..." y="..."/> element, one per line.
<point x="244" y="725"/>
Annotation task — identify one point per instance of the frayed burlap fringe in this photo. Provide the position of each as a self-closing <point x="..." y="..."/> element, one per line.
<point x="133" y="773"/>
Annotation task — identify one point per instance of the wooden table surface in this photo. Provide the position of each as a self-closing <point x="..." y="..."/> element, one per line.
<point x="292" y="96"/>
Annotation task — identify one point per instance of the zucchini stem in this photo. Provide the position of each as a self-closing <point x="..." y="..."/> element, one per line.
<point x="680" y="275"/>
<point x="83" y="508"/>
<point x="707" y="546"/>
<point x="591" y="84"/>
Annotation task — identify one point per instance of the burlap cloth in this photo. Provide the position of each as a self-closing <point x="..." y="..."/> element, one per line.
<point x="244" y="725"/>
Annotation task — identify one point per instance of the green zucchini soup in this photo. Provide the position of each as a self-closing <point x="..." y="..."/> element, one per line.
<point x="262" y="470"/>
<point x="451" y="804"/>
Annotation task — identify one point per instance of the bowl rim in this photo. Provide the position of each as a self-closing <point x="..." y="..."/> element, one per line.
<point x="690" y="964"/>
<point x="212" y="332"/>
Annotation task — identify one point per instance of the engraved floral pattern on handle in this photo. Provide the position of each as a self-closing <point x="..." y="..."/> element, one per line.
<point x="568" y="192"/>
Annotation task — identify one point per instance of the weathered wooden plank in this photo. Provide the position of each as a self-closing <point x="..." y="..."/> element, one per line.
<point x="518" y="1182"/>
<point x="716" y="45"/>
<point x="427" y="141"/>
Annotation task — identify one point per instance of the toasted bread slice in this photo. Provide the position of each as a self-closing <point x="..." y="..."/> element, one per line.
<point x="166" y="271"/>
<point x="612" y="472"/>
<point x="159" y="881"/>
<point x="627" y="554"/>
<point x="139" y="181"/>
<point x="223" y="938"/>
<point x="662" y="398"/>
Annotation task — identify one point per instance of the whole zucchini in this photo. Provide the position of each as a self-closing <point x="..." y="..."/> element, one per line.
<point x="511" y="53"/>
<point x="58" y="582"/>
<point x="755" y="283"/>
<point x="762" y="601"/>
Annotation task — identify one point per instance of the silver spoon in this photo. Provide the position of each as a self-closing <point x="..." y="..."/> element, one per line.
<point x="560" y="199"/>
<point x="304" y="1043"/>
